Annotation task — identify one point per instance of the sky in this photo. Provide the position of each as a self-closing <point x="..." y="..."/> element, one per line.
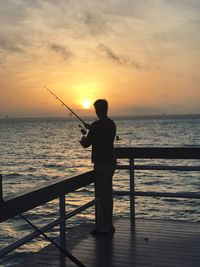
<point x="142" y="56"/>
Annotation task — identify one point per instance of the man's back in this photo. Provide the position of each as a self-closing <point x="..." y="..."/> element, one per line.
<point x="102" y="135"/>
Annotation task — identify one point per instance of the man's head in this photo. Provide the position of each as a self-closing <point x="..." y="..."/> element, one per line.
<point x="101" y="107"/>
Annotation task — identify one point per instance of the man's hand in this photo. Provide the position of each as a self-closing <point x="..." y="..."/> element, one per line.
<point x="87" y="125"/>
<point x="83" y="138"/>
<point x="82" y="141"/>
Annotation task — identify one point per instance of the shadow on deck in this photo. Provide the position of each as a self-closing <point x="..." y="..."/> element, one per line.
<point x="149" y="243"/>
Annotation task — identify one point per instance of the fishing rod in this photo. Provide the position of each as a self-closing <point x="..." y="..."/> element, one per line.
<point x="86" y="125"/>
<point x="63" y="251"/>
<point x="82" y="121"/>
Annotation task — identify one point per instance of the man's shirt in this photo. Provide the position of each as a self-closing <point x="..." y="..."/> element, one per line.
<point x="101" y="136"/>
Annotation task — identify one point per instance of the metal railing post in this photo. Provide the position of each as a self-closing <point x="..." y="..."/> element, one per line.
<point x="1" y="189"/>
<point x="132" y="190"/>
<point x="1" y="192"/>
<point x="62" y="223"/>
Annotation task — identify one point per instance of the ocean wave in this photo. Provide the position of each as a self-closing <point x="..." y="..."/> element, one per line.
<point x="31" y="169"/>
<point x="52" y="165"/>
<point x="152" y="183"/>
<point x="172" y="200"/>
<point x="12" y="175"/>
<point x="126" y="133"/>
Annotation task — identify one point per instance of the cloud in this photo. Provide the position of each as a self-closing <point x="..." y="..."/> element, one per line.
<point x="95" y="23"/>
<point x="122" y="60"/>
<point x="61" y="50"/>
<point x="111" y="54"/>
<point x="10" y="46"/>
<point x="11" y="12"/>
<point x="185" y="3"/>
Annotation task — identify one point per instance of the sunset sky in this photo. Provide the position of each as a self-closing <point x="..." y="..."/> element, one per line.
<point x="142" y="56"/>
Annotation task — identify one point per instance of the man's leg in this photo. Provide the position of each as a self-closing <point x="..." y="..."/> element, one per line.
<point x="103" y="191"/>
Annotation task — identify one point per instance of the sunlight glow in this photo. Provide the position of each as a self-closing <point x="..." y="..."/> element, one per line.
<point x="86" y="104"/>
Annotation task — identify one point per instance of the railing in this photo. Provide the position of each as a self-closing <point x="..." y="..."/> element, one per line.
<point x="40" y="195"/>
<point x="155" y="153"/>
<point x="59" y="188"/>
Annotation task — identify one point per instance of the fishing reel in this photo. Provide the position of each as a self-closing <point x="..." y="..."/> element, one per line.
<point x="83" y="130"/>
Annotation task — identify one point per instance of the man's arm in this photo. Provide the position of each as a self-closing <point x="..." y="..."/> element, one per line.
<point x="86" y="141"/>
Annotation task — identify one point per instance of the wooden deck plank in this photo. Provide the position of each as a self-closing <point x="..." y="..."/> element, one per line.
<point x="149" y="243"/>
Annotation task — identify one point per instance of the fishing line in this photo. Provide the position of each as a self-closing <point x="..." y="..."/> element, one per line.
<point x="63" y="251"/>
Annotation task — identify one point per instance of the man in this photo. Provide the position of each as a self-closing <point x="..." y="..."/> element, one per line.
<point x="101" y="136"/>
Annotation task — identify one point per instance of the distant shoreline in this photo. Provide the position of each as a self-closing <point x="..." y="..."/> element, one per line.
<point x="123" y="117"/>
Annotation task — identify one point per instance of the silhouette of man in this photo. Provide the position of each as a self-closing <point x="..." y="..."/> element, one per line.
<point x="101" y="136"/>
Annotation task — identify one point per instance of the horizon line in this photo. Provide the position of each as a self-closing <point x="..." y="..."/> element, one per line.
<point x="163" y="115"/>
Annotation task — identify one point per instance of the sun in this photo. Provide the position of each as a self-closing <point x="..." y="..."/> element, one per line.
<point x="86" y="104"/>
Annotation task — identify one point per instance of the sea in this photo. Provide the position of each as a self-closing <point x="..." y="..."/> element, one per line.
<point x="38" y="150"/>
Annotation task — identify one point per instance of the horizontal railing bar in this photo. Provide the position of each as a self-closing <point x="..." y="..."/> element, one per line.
<point x="165" y="194"/>
<point x="158" y="152"/>
<point x="45" y="228"/>
<point x="42" y="194"/>
<point x="28" y="238"/>
<point x="157" y="167"/>
<point x="159" y="194"/>
<point x="121" y="193"/>
<point x="80" y="209"/>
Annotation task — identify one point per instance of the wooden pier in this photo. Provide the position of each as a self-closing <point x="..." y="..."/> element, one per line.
<point x="137" y="242"/>
<point x="148" y="243"/>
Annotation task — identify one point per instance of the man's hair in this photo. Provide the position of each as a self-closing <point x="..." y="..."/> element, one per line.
<point x="101" y="106"/>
